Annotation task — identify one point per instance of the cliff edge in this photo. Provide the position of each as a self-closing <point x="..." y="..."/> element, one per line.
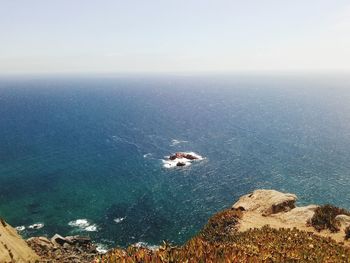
<point x="12" y="247"/>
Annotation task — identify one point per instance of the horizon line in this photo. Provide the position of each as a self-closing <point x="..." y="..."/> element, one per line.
<point x="177" y="73"/>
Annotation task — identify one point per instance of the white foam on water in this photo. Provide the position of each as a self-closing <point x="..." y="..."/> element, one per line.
<point x="147" y="155"/>
<point x="91" y="228"/>
<point x="36" y="226"/>
<point x="20" y="228"/>
<point x="173" y="163"/>
<point x="175" y="142"/>
<point x="83" y="224"/>
<point x="119" y="219"/>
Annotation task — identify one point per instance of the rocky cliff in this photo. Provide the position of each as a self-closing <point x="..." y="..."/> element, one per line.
<point x="263" y="226"/>
<point x="278" y="210"/>
<point x="12" y="247"/>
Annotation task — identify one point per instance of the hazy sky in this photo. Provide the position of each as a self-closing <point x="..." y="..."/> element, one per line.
<point x="173" y="36"/>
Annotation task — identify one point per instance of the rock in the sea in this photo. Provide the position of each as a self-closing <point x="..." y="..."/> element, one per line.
<point x="190" y="157"/>
<point x="180" y="155"/>
<point x="266" y="202"/>
<point x="172" y="157"/>
<point x="180" y="164"/>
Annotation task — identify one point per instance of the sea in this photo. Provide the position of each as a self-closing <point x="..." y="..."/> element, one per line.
<point x="83" y="154"/>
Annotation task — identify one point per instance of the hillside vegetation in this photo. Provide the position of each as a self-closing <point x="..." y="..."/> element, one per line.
<point x="219" y="241"/>
<point x="262" y="226"/>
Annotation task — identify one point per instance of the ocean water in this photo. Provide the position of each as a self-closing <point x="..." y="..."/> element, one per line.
<point x="92" y="147"/>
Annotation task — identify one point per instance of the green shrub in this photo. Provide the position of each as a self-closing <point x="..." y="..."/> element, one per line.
<point x="221" y="225"/>
<point x="324" y="217"/>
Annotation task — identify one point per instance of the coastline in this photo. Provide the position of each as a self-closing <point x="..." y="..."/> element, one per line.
<point x="262" y="211"/>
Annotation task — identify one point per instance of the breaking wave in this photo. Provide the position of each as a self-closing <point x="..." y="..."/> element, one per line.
<point x="83" y="224"/>
<point x="175" y="142"/>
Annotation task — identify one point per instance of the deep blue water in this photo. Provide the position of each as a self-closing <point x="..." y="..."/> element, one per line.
<point x="73" y="147"/>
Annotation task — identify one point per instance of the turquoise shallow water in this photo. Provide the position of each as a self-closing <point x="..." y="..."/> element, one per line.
<point x="91" y="148"/>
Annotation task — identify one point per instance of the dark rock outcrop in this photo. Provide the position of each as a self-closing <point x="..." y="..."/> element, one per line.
<point x="64" y="249"/>
<point x="180" y="155"/>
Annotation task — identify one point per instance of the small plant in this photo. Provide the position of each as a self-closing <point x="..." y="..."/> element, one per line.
<point x="324" y="217"/>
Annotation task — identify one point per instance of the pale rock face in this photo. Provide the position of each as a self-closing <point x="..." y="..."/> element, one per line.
<point x="343" y="220"/>
<point x="299" y="214"/>
<point x="10" y="241"/>
<point x="266" y="202"/>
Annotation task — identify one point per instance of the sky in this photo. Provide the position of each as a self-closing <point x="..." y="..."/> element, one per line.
<point x="83" y="36"/>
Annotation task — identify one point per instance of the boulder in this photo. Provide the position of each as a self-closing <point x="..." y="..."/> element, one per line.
<point x="172" y="157"/>
<point x="177" y="155"/>
<point x="300" y="215"/>
<point x="343" y="220"/>
<point x="42" y="242"/>
<point x="58" y="240"/>
<point x="266" y="202"/>
<point x="71" y="240"/>
<point x="78" y="240"/>
<point x="190" y="157"/>
<point x="180" y="155"/>
<point x="180" y="164"/>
